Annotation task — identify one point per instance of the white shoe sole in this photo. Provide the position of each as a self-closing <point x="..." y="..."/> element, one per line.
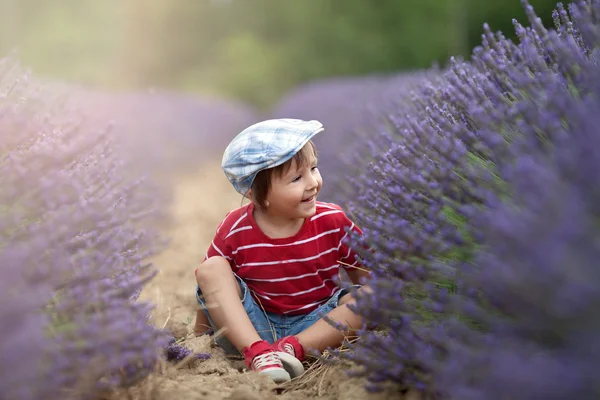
<point x="278" y="375"/>
<point x="291" y="364"/>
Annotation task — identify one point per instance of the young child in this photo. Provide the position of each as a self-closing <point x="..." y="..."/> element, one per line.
<point x="268" y="276"/>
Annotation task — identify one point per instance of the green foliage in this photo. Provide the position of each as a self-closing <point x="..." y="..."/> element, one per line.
<point x="253" y="50"/>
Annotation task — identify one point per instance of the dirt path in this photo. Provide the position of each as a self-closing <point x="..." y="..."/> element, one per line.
<point x="200" y="202"/>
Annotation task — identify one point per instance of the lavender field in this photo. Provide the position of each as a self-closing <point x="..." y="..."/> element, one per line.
<point x="475" y="186"/>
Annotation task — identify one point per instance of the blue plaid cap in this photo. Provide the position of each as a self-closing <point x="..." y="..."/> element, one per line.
<point x="264" y="145"/>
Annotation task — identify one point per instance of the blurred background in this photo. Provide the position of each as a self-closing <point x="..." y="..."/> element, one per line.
<point x="253" y="51"/>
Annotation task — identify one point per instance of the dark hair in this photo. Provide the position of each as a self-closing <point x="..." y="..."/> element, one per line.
<point x="262" y="181"/>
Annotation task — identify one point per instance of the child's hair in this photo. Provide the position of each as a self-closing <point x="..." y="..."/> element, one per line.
<point x="262" y="181"/>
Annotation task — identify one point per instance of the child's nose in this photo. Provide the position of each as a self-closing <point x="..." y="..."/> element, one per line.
<point x="312" y="183"/>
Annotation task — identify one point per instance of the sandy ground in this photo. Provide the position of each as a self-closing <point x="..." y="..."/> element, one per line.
<point x="201" y="200"/>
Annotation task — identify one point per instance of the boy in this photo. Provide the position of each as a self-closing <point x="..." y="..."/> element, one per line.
<point x="268" y="275"/>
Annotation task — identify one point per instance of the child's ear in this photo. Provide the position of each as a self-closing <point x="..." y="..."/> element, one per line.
<point x="249" y="194"/>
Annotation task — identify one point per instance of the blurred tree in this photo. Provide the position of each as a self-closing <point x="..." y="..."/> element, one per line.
<point x="499" y="15"/>
<point x="258" y="49"/>
<point x="68" y="39"/>
<point x="253" y="50"/>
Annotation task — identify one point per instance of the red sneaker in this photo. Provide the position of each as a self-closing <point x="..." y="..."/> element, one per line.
<point x="291" y="353"/>
<point x="262" y="358"/>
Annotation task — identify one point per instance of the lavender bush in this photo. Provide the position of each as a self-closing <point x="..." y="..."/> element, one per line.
<point x="537" y="279"/>
<point x="76" y="231"/>
<point x="481" y="223"/>
<point x="346" y="106"/>
<point x="537" y="275"/>
<point x="22" y="332"/>
<point x="168" y="133"/>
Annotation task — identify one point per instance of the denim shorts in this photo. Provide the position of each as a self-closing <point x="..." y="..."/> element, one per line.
<point x="270" y="326"/>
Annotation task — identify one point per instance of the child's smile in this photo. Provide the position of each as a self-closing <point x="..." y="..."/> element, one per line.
<point x="311" y="199"/>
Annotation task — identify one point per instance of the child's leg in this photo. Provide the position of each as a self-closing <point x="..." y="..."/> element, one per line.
<point x="321" y="335"/>
<point x="223" y="300"/>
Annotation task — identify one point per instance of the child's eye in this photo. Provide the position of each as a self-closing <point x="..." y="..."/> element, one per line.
<point x="314" y="168"/>
<point x="296" y="179"/>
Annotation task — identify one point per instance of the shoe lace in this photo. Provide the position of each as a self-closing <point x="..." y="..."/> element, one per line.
<point x="289" y="348"/>
<point x="263" y="360"/>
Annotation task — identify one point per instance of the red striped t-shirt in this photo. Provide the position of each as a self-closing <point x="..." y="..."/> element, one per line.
<point x="291" y="275"/>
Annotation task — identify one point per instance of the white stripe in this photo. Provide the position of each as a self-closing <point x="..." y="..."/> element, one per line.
<point x="238" y="221"/>
<point x="325" y="205"/>
<point x="288" y="278"/>
<point x="324" y="214"/>
<point x="264" y="297"/>
<point x="250" y="246"/>
<point x="347" y="255"/>
<point x="344" y="237"/>
<point x="307" y="306"/>
<point x="219" y="251"/>
<point x="243" y="228"/>
<point x="335" y="289"/>
<point x="290" y="261"/>
<point x="221" y="224"/>
<point x="298" y="293"/>
<point x="349" y="248"/>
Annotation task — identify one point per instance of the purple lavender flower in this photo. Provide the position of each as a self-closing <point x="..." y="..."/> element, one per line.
<point x="536" y="277"/>
<point x="476" y="218"/>
<point x="538" y="281"/>
<point x="22" y="331"/>
<point x="78" y="222"/>
<point x="76" y="233"/>
<point x="168" y="133"/>
<point x="176" y="352"/>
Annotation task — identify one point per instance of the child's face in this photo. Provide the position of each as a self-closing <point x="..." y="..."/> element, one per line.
<point x="294" y="193"/>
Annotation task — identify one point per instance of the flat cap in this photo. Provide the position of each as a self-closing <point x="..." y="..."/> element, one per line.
<point x="264" y="145"/>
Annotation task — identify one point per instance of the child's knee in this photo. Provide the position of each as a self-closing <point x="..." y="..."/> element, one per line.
<point x="211" y="269"/>
<point x="216" y="273"/>
<point x="363" y="290"/>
